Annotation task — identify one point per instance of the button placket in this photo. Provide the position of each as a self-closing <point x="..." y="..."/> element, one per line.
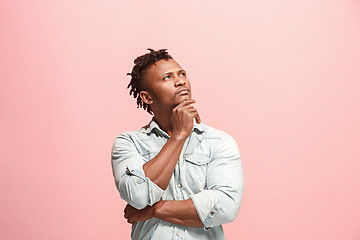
<point x="177" y="177"/>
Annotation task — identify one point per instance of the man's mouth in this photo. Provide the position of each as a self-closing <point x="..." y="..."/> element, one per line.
<point x="183" y="91"/>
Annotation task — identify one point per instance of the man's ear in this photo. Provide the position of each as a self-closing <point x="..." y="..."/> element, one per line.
<point x="145" y="96"/>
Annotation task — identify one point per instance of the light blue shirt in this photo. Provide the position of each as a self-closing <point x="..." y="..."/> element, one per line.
<point x="208" y="171"/>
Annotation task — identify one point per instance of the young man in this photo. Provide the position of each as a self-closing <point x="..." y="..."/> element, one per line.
<point x="181" y="178"/>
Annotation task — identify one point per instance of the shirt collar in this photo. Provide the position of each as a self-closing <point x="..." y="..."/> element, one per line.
<point x="152" y="125"/>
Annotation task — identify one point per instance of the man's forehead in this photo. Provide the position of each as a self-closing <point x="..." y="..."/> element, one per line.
<point x="164" y="65"/>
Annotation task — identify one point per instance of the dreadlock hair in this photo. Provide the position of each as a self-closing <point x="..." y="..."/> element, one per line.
<point x="141" y="65"/>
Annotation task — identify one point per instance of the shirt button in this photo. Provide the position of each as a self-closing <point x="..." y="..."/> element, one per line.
<point x="177" y="233"/>
<point x="198" y="161"/>
<point x="179" y="185"/>
<point x="211" y="213"/>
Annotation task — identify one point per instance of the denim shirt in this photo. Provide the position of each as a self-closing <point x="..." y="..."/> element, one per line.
<point x="208" y="171"/>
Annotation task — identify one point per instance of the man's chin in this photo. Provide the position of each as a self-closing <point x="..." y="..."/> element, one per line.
<point x="182" y="98"/>
<point x="185" y="96"/>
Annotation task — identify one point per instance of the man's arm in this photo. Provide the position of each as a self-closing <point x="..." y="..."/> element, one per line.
<point x="143" y="184"/>
<point x="160" y="168"/>
<point x="220" y="202"/>
<point x="216" y="205"/>
<point x="179" y="212"/>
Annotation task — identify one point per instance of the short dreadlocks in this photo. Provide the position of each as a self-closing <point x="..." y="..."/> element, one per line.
<point x="141" y="65"/>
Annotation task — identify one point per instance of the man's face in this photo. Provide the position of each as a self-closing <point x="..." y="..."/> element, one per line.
<point x="167" y="84"/>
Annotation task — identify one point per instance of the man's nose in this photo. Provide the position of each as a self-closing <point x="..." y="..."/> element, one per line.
<point x="179" y="81"/>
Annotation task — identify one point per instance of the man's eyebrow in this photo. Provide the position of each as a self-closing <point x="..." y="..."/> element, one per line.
<point x="166" y="73"/>
<point x="180" y="70"/>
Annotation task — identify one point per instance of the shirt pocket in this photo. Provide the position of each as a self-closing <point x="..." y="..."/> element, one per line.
<point x="196" y="171"/>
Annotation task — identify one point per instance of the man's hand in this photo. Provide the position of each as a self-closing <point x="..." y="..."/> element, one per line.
<point x="182" y="118"/>
<point x="133" y="215"/>
<point x="160" y="169"/>
<point x="180" y="212"/>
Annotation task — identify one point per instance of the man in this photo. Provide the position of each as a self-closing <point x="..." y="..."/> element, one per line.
<point x="182" y="179"/>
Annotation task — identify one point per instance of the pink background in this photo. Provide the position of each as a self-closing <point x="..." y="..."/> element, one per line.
<point x="282" y="77"/>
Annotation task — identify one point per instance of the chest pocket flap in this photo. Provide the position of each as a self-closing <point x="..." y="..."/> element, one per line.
<point x="197" y="159"/>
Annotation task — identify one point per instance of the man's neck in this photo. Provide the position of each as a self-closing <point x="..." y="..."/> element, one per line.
<point x="164" y="122"/>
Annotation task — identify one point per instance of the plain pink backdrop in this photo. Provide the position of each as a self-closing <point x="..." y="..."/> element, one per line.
<point x="282" y="77"/>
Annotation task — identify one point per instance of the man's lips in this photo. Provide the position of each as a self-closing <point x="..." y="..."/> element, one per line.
<point x="183" y="90"/>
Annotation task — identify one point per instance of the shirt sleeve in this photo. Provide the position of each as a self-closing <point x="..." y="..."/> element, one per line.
<point x="220" y="202"/>
<point x="127" y="165"/>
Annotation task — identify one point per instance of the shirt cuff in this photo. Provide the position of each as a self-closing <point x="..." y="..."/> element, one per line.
<point x="155" y="192"/>
<point x="206" y="206"/>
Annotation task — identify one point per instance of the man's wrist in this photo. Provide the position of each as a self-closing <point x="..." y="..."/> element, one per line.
<point x="157" y="209"/>
<point x="178" y="137"/>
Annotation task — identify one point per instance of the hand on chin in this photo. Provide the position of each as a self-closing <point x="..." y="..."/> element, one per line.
<point x="182" y="98"/>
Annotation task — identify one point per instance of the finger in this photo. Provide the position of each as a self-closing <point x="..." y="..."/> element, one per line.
<point x="198" y="119"/>
<point x="191" y="110"/>
<point x="192" y="113"/>
<point x="185" y="102"/>
<point x="195" y="114"/>
<point x="131" y="221"/>
<point x="126" y="207"/>
<point x="187" y="107"/>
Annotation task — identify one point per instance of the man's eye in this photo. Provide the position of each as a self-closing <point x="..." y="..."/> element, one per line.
<point x="166" y="77"/>
<point x="182" y="74"/>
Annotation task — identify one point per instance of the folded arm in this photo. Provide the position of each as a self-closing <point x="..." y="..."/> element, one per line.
<point x="218" y="204"/>
<point x="179" y="212"/>
<point x="142" y="184"/>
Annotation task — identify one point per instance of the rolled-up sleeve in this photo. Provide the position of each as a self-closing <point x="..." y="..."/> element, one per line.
<point x="220" y="202"/>
<point x="134" y="187"/>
